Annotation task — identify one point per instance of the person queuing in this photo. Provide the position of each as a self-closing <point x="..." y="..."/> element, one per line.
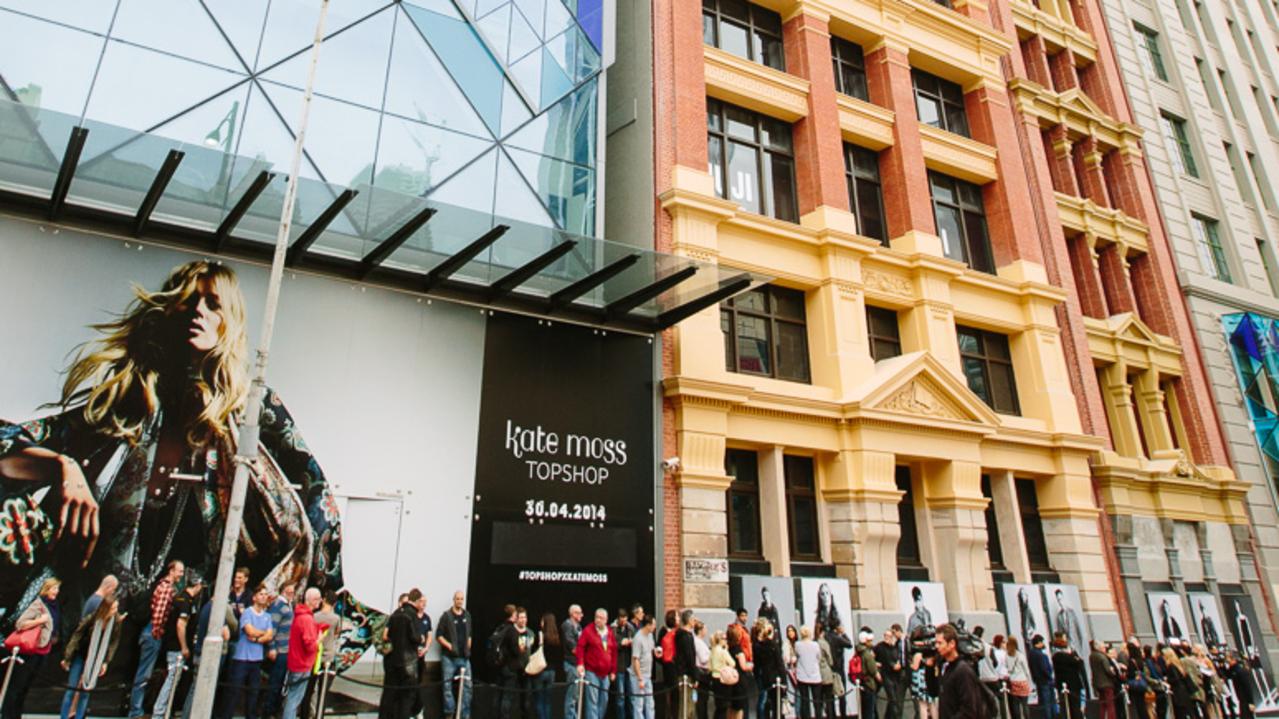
<point x="552" y="656"/>
<point x="925" y="685"/>
<point x="179" y="643"/>
<point x="327" y="616"/>
<point x="518" y="644"/>
<point x="256" y="633"/>
<point x="1105" y="680"/>
<point x="962" y="695"/>
<point x="702" y="653"/>
<point x="723" y="677"/>
<point x="304" y="645"/>
<point x="455" y="656"/>
<point x="570" y="633"/>
<point x="277" y="658"/>
<point x="151" y="638"/>
<point x="622" y="687"/>
<point x="93" y="643"/>
<point x="42" y="621"/>
<point x="1041" y="673"/>
<point x="684" y="667"/>
<point x="871" y="677"/>
<point x="597" y="663"/>
<point x="106" y="589"/>
<point x="403" y="632"/>
<point x="643" y="651"/>
<point x="766" y="647"/>
<point x="1068" y="670"/>
<point x="891" y="659"/>
<point x="808" y="675"/>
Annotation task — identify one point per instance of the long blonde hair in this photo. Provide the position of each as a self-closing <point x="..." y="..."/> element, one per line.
<point x="116" y="376"/>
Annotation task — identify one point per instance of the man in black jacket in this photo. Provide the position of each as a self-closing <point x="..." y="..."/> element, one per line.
<point x="1241" y="680"/>
<point x="404" y="634"/>
<point x="518" y="644"/>
<point x="889" y="657"/>
<point x="962" y="695"/>
<point x="455" y="634"/>
<point x="1068" y="668"/>
<point x="685" y="666"/>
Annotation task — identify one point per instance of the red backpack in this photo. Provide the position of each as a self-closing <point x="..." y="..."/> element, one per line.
<point x="668" y="646"/>
<point x="855" y="667"/>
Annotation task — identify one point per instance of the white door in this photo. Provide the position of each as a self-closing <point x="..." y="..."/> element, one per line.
<point x="370" y="547"/>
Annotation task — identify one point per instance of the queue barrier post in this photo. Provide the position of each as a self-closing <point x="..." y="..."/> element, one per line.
<point x="1065" y="702"/>
<point x="581" y="691"/>
<point x="176" y="669"/>
<point x="777" y="697"/>
<point x="683" y="697"/>
<point x="461" y="691"/>
<point x="326" y="676"/>
<point x="1003" y="700"/>
<point x="12" y="660"/>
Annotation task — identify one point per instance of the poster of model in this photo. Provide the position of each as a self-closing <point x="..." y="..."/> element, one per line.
<point x="772" y="598"/>
<point x="1207" y="619"/>
<point x="825" y="601"/>
<point x="922" y="604"/>
<point x="1024" y="608"/>
<point x="1065" y="614"/>
<point x="1241" y="618"/>
<point x="1168" y="616"/>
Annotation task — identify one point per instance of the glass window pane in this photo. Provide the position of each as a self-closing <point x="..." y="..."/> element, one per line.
<point x="996" y="346"/>
<point x="745" y="534"/>
<point x="752" y="345"/>
<point x="713" y="111"/>
<point x="870" y="212"/>
<point x="883" y="322"/>
<point x="766" y="19"/>
<point x="753" y="301"/>
<point x="942" y="188"/>
<point x="61" y="86"/>
<point x="925" y="83"/>
<point x="804" y="527"/>
<point x="781" y="185"/>
<point x="769" y="51"/>
<point x="1003" y="388"/>
<point x="734" y="38"/>
<point x="788" y="303"/>
<point x="798" y="471"/>
<point x="743" y="176"/>
<point x="715" y="153"/>
<point x="741" y="123"/>
<point x="977" y="243"/>
<point x="742" y="465"/>
<point x="737" y="9"/>
<point x="152" y="24"/>
<point x="948" y="228"/>
<point x="92" y="15"/>
<point x="951" y="92"/>
<point x="969" y="342"/>
<point x="419" y="88"/>
<point x="792" y="351"/>
<point x="929" y="110"/>
<point x="956" y="119"/>
<point x="726" y="327"/>
<point x="969" y="194"/>
<point x="708" y="29"/>
<point x="974" y="372"/>
<point x="775" y="134"/>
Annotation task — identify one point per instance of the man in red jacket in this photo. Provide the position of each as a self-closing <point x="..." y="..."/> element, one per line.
<point x="597" y="662"/>
<point x="304" y="643"/>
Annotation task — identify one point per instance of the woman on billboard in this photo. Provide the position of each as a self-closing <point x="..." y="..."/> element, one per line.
<point x="136" y="466"/>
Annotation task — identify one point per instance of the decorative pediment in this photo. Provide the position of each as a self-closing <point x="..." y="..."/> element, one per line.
<point x="917" y="384"/>
<point x="1127" y="326"/>
<point x="1076" y="100"/>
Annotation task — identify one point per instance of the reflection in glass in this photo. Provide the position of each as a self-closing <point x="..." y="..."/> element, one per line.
<point x="62" y="86"/>
<point x="743" y="176"/>
<point x="752" y="345"/>
<point x="180" y="27"/>
<point x="467" y="59"/>
<point x="419" y="87"/>
<point x="340" y="137"/>
<point x="352" y="63"/>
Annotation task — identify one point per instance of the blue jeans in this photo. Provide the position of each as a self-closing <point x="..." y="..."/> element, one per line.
<point x="622" y="695"/>
<point x="294" y="690"/>
<point x="642" y="704"/>
<point x="596" y="696"/>
<point x="275" y="683"/>
<point x="245" y="678"/>
<point x="169" y="689"/>
<point x="73" y="680"/>
<point x="541" y="686"/>
<point x="570" y="693"/>
<point x="148" y="650"/>
<point x="451" y="666"/>
<point x="1047" y="701"/>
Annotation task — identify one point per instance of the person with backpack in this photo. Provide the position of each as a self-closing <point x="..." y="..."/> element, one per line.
<point x="962" y="694"/>
<point x="869" y="674"/>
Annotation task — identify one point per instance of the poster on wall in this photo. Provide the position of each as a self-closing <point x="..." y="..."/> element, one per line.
<point x="922" y="604"/>
<point x="120" y="403"/>
<point x="1066" y="614"/>
<point x="771" y="598"/>
<point x="825" y="601"/>
<point x="1024" y="609"/>
<point x="1207" y="619"/>
<point x="1240" y="617"/>
<point x="1169" y="617"/>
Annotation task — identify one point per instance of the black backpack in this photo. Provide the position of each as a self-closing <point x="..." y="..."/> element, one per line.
<point x="989" y="701"/>
<point x="493" y="652"/>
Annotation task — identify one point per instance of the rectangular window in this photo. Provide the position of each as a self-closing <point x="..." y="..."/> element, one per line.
<point x="1211" y="253"/>
<point x="961" y="221"/>
<point x="988" y="367"/>
<point x="884" y="333"/>
<point x="752" y="160"/>
<point x="1183" y="159"/>
<point x="1032" y="526"/>
<point x="908" y="555"/>
<point x="1263" y="186"/>
<point x="994" y="547"/>
<point x="940" y="103"/>
<point x="1268" y="265"/>
<point x="1236" y="169"/>
<point x="1229" y="94"/>
<point x="765" y="333"/>
<point x="1153" y="57"/>
<point x="744" y="538"/>
<point x="744" y="29"/>
<point x="850" y="68"/>
<point x="865" y="195"/>
<point x="801" y="509"/>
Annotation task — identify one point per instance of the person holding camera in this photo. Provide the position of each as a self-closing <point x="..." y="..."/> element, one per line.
<point x="962" y="695"/>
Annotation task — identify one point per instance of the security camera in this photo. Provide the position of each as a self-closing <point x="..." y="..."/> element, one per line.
<point x="670" y="464"/>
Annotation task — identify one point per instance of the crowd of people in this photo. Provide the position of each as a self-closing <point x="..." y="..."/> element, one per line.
<point x="283" y="642"/>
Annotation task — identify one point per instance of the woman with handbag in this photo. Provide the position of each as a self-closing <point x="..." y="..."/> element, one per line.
<point x="34" y="635"/>
<point x="830" y="675"/>
<point x="541" y="665"/>
<point x="723" y="675"/>
<point x="1018" y="680"/>
<point x="87" y="654"/>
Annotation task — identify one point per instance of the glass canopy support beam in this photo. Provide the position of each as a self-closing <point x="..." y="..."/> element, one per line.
<point x="392" y="243"/>
<point x="567" y="295"/>
<point x="70" y="159"/>
<point x="312" y="233"/>
<point x="727" y="288"/>
<point x="458" y="260"/>
<point x="625" y="304"/>
<point x="518" y="276"/>
<point x="241" y="207"/>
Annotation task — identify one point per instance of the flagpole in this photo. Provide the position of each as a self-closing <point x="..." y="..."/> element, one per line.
<point x="247" y="447"/>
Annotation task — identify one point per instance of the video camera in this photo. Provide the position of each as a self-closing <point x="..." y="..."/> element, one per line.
<point x="969" y="645"/>
<point x="923" y="640"/>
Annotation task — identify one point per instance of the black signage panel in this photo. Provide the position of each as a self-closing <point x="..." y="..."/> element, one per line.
<point x="564" y="486"/>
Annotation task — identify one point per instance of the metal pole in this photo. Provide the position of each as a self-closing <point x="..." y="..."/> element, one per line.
<point x="247" y="447"/>
<point x="461" y="687"/>
<point x="683" y="697"/>
<point x="12" y="660"/>
<point x="777" y="697"/>
<point x="581" y="683"/>
<point x="176" y="668"/>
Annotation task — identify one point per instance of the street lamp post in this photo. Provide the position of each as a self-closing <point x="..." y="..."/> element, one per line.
<point x="247" y="447"/>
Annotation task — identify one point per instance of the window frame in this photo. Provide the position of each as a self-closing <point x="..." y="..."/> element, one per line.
<point x="712" y="10"/>
<point x="965" y="210"/>
<point x="743" y="487"/>
<point x="1032" y="525"/>
<point x="717" y="132"/>
<point x="770" y="315"/>
<point x="874" y="338"/>
<point x="903" y="476"/>
<point x="1212" y="252"/>
<point x="861" y="170"/>
<point x="849" y="57"/>
<point x="1182" y="152"/>
<point x="795" y="491"/>
<point x="987" y="359"/>
<point x="1153" y="57"/>
<point x="994" y="543"/>
<point x="939" y="97"/>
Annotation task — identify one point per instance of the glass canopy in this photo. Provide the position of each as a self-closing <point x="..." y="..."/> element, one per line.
<point x="144" y="185"/>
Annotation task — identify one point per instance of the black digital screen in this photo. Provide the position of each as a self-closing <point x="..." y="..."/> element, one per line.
<point x="563" y="545"/>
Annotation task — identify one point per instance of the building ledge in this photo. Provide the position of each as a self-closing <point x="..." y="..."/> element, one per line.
<point x="958" y="156"/>
<point x="1074" y="109"/>
<point x="1125" y="337"/>
<point x="1057" y="32"/>
<point x="865" y="124"/>
<point x="1171" y="488"/>
<point x="755" y="87"/>
<point x="1087" y="217"/>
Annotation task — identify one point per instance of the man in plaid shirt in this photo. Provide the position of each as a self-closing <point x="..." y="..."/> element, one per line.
<point x="150" y="639"/>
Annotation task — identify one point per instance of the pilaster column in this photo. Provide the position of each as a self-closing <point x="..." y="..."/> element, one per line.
<point x="1175" y="575"/>
<point x="697" y="347"/>
<point x="1069" y="515"/>
<point x="1003" y="493"/>
<point x="1061" y="162"/>
<point x="1035" y="56"/>
<point x="907" y="200"/>
<point x="1062" y="67"/>
<point x="1119" y="410"/>
<point x="1115" y="281"/>
<point x="930" y="324"/>
<point x="772" y="510"/>
<point x="840" y="351"/>
<point x="820" y="177"/>
<point x="700" y="430"/>
<point x="1154" y="415"/>
<point x="1088" y="168"/>
<point x="1088" y="284"/>
<point x="1121" y="527"/>
<point x="1043" y="381"/>
<point x="957" y="508"/>
<point x="861" y="496"/>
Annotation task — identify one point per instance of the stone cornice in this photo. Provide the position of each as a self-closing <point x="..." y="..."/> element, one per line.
<point x="865" y="124"/>
<point x="1087" y="217"/>
<point x="958" y="156"/>
<point x="1056" y="32"/>
<point x="751" y="85"/>
<point x="1170" y="489"/>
